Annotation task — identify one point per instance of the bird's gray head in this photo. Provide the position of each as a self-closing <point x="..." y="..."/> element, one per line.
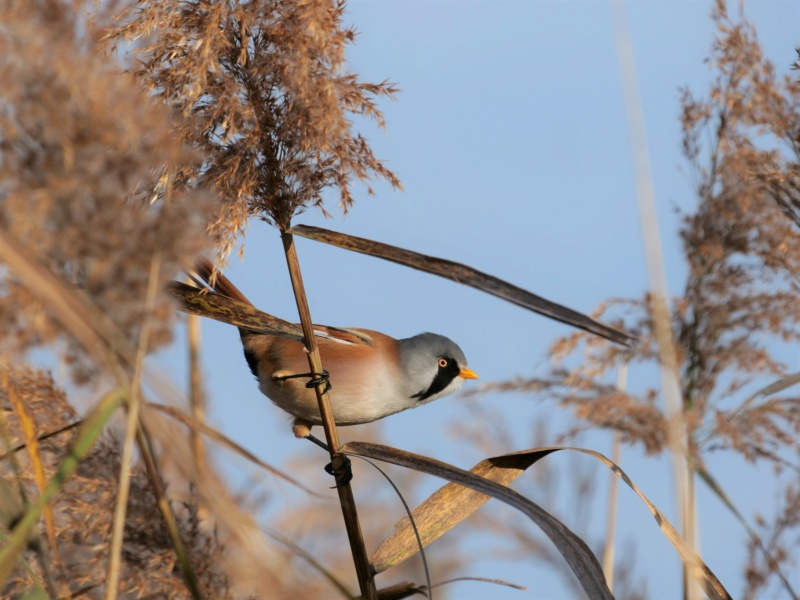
<point x="434" y="366"/>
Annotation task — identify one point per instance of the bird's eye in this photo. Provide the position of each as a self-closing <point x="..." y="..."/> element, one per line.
<point x="442" y="363"/>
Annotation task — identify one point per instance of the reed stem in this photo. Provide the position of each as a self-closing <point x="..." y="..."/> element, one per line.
<point x="366" y="580"/>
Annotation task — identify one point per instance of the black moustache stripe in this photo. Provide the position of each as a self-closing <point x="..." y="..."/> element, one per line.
<point x="444" y="377"/>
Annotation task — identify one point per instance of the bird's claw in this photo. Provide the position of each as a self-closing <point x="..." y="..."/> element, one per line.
<point x="344" y="474"/>
<point x="315" y="379"/>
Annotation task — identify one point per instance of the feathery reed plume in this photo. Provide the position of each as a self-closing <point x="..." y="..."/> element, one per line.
<point x="70" y="200"/>
<point x="262" y="89"/>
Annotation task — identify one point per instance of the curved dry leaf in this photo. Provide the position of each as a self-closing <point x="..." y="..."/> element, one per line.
<point x="446" y="508"/>
<point x="230" y="311"/>
<point x="467" y="276"/>
<point x="779" y="385"/>
<point x="574" y="550"/>
<point x="453" y="503"/>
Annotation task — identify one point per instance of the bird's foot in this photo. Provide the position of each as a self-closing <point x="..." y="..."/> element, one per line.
<point x="315" y="379"/>
<point x="344" y="472"/>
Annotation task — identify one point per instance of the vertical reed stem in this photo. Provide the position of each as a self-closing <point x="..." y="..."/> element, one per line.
<point x="146" y="448"/>
<point x="366" y="580"/>
<point x="196" y="400"/>
<point x="613" y="493"/>
<point x="677" y="429"/>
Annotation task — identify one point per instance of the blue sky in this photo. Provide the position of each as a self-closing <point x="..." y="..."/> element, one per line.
<point x="510" y="139"/>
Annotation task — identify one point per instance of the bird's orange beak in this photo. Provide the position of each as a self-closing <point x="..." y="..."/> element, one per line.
<point x="468" y="374"/>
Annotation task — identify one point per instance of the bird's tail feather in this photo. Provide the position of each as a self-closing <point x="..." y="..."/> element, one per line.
<point x="221" y="284"/>
<point x="228" y="305"/>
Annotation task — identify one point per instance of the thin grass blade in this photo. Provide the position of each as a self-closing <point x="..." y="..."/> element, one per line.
<point x="317" y="565"/>
<point x="714" y="486"/>
<point x="773" y="388"/>
<point x="224" y="440"/>
<point x="41" y="438"/>
<point x="502" y="582"/>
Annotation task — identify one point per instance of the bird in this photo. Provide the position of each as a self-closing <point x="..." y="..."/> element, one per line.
<point x="371" y="375"/>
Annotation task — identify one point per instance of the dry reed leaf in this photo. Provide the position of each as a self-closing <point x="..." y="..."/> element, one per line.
<point x="453" y="503"/>
<point x="574" y="550"/>
<point x="466" y="276"/>
<point x="445" y="509"/>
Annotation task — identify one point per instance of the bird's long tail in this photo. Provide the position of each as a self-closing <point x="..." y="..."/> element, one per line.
<point x="227" y="304"/>
<point x="221" y="284"/>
